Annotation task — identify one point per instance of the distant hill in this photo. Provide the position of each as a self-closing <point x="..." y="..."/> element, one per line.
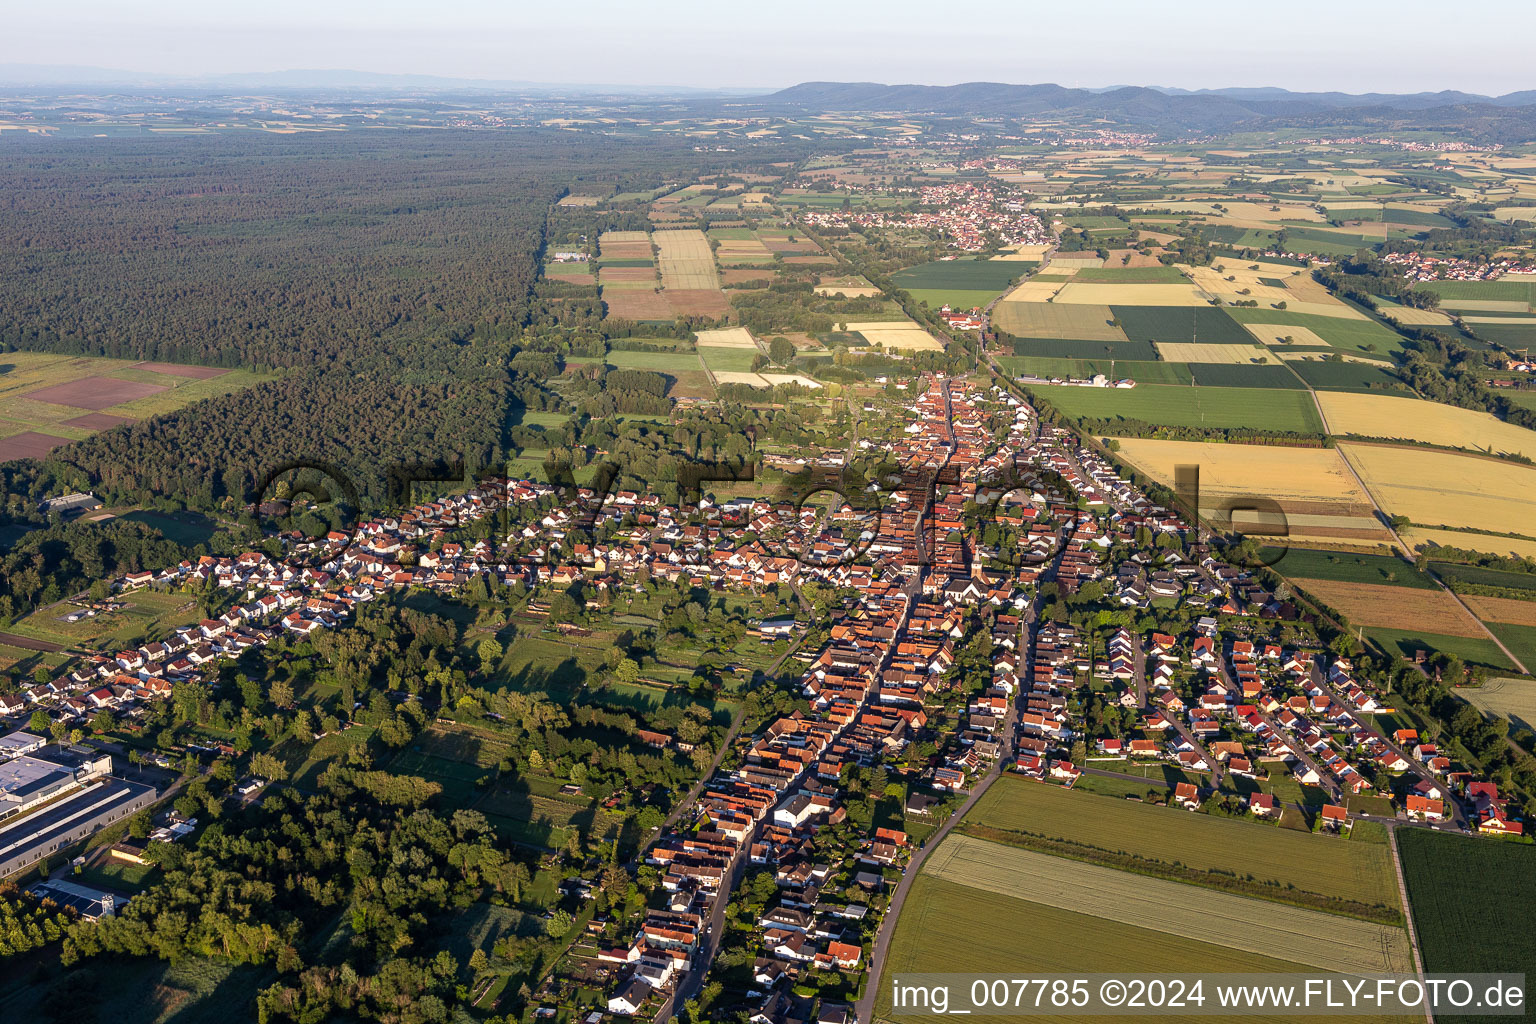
<point x="1511" y="117"/>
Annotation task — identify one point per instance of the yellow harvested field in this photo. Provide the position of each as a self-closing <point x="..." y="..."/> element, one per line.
<point x="574" y="200"/>
<point x="791" y="378"/>
<point x="1305" y="474"/>
<point x="686" y="260"/>
<point x="1192" y="352"/>
<point x="878" y="325"/>
<point x="1076" y="262"/>
<point x="1033" y="291"/>
<point x="1502" y="609"/>
<point x="1511" y="320"/>
<point x="726" y="337"/>
<point x="1238" y="211"/>
<point x="918" y="340"/>
<point x="1409" y="315"/>
<point x="1416" y="536"/>
<point x="1510" y="696"/>
<point x="1026" y="252"/>
<point x="1393" y="607"/>
<point x="1415" y="419"/>
<point x="1486" y="305"/>
<point x="1274" y="334"/>
<point x="850" y="291"/>
<point x="1051" y="320"/>
<point x="1079" y="293"/>
<point x="624" y="236"/>
<point x="1445" y="488"/>
<point x="1308" y="937"/>
<point x="1322" y="357"/>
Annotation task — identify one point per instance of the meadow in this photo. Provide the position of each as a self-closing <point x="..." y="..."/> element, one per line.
<point x="1217" y="408"/>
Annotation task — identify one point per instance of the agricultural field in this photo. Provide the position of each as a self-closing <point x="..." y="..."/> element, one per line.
<point x="960" y="284"/>
<point x="1079" y="292"/>
<point x="48" y="400"/>
<point x="1405" y="609"/>
<point x="1273" y="326"/>
<point x="1261" y="408"/>
<point x="1048" y="320"/>
<point x="1414" y="419"/>
<point x="1195" y="324"/>
<point x="1324" y="865"/>
<point x="1348" y="567"/>
<point x="1312" y="938"/>
<point x="1141" y="371"/>
<point x="1520" y="638"/>
<point x="895" y="334"/>
<point x="1471" y="901"/>
<point x="1236" y="355"/>
<point x="1307" y="474"/>
<point x="1417" y="537"/>
<point x="1512" y="697"/>
<point x="1435" y="488"/>
<point x="1472" y="650"/>
<point x="937" y="932"/>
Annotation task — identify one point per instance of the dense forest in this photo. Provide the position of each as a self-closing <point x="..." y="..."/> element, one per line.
<point x="388" y="282"/>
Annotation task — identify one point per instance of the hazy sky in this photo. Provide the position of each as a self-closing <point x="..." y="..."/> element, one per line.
<point x="1351" y="45"/>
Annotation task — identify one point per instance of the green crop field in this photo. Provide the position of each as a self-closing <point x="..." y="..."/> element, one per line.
<point x="1324" y="865"/>
<point x="1471" y="902"/>
<point x="1243" y="375"/>
<point x="1141" y="371"/>
<point x="954" y="298"/>
<point x="1449" y="571"/>
<point x="1471" y="649"/>
<point x="1500" y="291"/>
<point x="1069" y="348"/>
<point x="1217" y="408"/>
<point x="1345" y="567"/>
<point x="1206" y="325"/>
<point x="1347" y="376"/>
<point x="1521" y="641"/>
<point x="959" y="283"/>
<point x="1130" y="275"/>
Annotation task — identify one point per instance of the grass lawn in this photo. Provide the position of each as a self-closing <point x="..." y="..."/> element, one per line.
<point x="1217" y="408"/>
<point x="147" y="613"/>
